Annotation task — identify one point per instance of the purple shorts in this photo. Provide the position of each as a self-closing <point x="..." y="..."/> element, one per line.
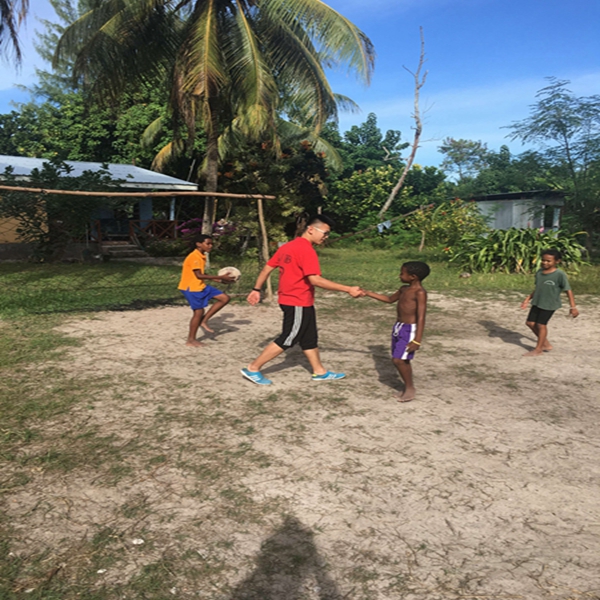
<point x="198" y="300"/>
<point x="402" y="335"/>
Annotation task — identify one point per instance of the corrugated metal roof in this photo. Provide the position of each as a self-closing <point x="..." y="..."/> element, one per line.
<point x="526" y="195"/>
<point x="133" y="177"/>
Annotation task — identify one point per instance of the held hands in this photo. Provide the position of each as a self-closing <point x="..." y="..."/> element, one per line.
<point x="356" y="292"/>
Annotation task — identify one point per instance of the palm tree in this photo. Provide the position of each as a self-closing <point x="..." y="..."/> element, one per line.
<point x="12" y="14"/>
<point x="228" y="63"/>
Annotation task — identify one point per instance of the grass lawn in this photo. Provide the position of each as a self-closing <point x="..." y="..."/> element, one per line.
<point x="43" y="288"/>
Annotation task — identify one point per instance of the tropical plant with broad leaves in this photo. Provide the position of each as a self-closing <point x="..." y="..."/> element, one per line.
<point x="12" y="14"/>
<point x="229" y="64"/>
<point x="515" y="250"/>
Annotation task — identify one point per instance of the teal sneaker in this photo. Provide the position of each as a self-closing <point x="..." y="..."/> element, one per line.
<point x="256" y="377"/>
<point x="329" y="376"/>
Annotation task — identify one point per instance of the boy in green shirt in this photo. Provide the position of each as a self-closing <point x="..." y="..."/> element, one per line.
<point x="550" y="281"/>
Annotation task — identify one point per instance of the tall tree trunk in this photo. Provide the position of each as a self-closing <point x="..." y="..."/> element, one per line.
<point x="211" y="170"/>
<point x="419" y="83"/>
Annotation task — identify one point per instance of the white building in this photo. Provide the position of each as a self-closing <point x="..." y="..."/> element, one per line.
<point x="535" y="208"/>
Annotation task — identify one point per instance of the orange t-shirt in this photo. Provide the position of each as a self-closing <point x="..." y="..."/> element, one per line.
<point x="189" y="282"/>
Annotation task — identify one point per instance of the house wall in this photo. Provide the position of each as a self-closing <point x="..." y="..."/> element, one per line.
<point x="504" y="214"/>
<point x="8" y="231"/>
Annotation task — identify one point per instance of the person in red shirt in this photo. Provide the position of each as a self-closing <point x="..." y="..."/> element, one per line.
<point x="299" y="273"/>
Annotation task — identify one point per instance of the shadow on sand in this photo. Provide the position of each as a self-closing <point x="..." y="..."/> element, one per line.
<point x="222" y="324"/>
<point x="288" y="567"/>
<point x="506" y="335"/>
<point x="291" y="358"/>
<point x="386" y="371"/>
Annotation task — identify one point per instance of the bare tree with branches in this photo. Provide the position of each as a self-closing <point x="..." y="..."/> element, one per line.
<point x="419" y="83"/>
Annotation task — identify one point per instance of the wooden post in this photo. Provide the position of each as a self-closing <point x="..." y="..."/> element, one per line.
<point x="265" y="244"/>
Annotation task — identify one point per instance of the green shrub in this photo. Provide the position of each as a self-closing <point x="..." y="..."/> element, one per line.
<point x="179" y="247"/>
<point x="515" y="250"/>
<point x="448" y="222"/>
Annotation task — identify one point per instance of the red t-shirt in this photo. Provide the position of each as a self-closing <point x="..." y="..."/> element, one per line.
<point x="296" y="260"/>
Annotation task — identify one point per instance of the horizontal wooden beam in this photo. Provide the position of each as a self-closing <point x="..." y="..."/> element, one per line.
<point x="137" y="194"/>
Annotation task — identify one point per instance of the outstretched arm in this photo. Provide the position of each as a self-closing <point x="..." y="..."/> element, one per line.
<point x="383" y="298"/>
<point x="254" y="296"/>
<point x="321" y="282"/>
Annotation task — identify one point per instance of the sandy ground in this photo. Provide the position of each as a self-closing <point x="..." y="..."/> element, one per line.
<point x="486" y="486"/>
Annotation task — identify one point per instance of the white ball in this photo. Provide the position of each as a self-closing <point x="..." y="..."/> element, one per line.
<point x="231" y="271"/>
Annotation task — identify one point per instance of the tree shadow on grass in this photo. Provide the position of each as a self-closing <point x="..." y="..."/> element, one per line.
<point x="506" y="335"/>
<point x="386" y="371"/>
<point x="288" y="567"/>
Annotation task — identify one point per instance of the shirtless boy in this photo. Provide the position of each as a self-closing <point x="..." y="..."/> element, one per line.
<point x="408" y="330"/>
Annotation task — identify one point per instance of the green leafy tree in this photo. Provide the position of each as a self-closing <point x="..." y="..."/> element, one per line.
<point x="567" y="128"/>
<point x="447" y="223"/>
<point x="359" y="197"/>
<point x="427" y="185"/>
<point x="68" y="127"/>
<point x="463" y="157"/>
<point x="63" y="121"/>
<point x="364" y="146"/>
<point x="224" y="61"/>
<point x="507" y="173"/>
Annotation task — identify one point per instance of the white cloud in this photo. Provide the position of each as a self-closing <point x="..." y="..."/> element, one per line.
<point x="475" y="112"/>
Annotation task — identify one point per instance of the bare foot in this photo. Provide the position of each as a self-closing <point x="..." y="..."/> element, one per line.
<point x="547" y="347"/>
<point x="407" y="395"/>
<point x="206" y="327"/>
<point x="194" y="343"/>
<point x="535" y="352"/>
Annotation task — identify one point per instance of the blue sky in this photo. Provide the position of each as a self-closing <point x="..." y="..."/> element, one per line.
<point x="486" y="60"/>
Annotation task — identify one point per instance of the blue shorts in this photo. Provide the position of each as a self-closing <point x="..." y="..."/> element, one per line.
<point x="198" y="300"/>
<point x="402" y="335"/>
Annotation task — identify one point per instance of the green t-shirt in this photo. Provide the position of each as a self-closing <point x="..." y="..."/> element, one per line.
<point x="548" y="288"/>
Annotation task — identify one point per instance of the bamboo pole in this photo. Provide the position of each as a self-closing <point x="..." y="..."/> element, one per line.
<point x="265" y="244"/>
<point x="136" y="194"/>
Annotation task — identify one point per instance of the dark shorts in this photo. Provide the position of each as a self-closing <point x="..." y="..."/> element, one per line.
<point x="198" y="300"/>
<point x="402" y="335"/>
<point x="299" y="327"/>
<point x="539" y="315"/>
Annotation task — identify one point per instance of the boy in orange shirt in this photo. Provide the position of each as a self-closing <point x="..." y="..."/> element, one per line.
<point x="196" y="292"/>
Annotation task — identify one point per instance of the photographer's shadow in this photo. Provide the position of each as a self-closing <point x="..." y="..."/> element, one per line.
<point x="506" y="335"/>
<point x="288" y="565"/>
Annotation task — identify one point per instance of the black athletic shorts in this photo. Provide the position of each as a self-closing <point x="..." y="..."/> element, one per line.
<point x="539" y="315"/>
<point x="299" y="327"/>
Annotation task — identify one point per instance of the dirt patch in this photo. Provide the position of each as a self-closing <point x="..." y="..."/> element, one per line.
<point x="487" y="486"/>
